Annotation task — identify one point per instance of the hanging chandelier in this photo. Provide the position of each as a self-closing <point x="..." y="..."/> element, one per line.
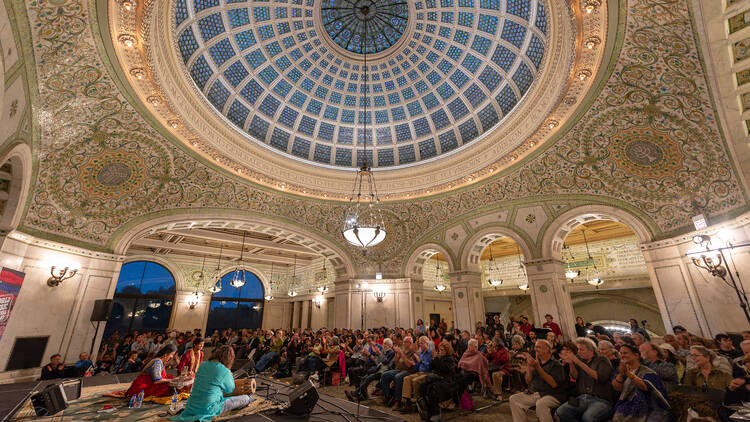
<point x="363" y="224"/>
<point x="492" y="271"/>
<point x="269" y="296"/>
<point x="524" y="283"/>
<point x="595" y="281"/>
<point x="570" y="273"/>
<point x="292" y="292"/>
<point x="439" y="286"/>
<point x="239" y="275"/>
<point x="216" y="288"/>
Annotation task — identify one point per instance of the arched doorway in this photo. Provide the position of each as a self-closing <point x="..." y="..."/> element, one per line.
<point x="504" y="280"/>
<point x="236" y="308"/>
<point x="607" y="275"/>
<point x="143" y="299"/>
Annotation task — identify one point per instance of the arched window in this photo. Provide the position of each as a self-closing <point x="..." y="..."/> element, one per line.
<point x="143" y="298"/>
<point x="236" y="308"/>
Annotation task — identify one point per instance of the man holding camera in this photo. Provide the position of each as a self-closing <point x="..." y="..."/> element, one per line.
<point x="546" y="380"/>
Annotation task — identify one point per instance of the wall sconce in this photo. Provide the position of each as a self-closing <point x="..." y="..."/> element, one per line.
<point x="193" y="300"/>
<point x="379" y="295"/>
<point x="60" y="275"/>
<point x="317" y="301"/>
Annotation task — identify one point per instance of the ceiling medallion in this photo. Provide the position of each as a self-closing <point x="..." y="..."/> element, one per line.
<point x="365" y="26"/>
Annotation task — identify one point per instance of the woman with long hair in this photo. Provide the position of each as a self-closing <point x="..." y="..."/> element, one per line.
<point x="215" y="391"/>
<point x="440" y="384"/>
<point x="153" y="379"/>
<point x="642" y="395"/>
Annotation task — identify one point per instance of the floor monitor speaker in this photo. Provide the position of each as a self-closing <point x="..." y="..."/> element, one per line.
<point x="49" y="401"/>
<point x="303" y="399"/>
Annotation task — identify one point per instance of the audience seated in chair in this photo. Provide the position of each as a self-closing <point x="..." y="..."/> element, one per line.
<point x="546" y="379"/>
<point x="54" y="369"/>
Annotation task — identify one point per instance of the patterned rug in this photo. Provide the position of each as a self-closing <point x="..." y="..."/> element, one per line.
<point x="92" y="401"/>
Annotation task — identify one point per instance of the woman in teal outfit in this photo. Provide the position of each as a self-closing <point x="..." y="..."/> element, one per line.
<point x="214" y="391"/>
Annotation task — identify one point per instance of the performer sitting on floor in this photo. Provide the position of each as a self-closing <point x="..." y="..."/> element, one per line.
<point x="153" y="379"/>
<point x="213" y="386"/>
<point x="192" y="359"/>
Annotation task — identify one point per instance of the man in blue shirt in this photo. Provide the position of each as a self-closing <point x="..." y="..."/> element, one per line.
<point x="410" y="389"/>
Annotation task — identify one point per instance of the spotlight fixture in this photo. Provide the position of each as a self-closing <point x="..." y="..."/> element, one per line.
<point x="194" y="299"/>
<point x="318" y="301"/>
<point x="269" y="298"/>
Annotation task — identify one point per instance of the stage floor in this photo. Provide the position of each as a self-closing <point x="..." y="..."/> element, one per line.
<point x="88" y="406"/>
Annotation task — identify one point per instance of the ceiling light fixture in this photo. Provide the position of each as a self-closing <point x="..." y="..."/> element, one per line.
<point x="439" y="286"/>
<point x="570" y="273"/>
<point x="492" y="271"/>
<point x="239" y="275"/>
<point x="292" y="292"/>
<point x="524" y="284"/>
<point x="216" y="288"/>
<point x="595" y="281"/>
<point x="363" y="222"/>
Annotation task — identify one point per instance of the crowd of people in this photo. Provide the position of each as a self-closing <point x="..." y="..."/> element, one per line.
<point x="598" y="375"/>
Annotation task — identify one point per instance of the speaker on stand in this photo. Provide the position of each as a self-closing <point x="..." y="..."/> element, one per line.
<point x="102" y="310"/>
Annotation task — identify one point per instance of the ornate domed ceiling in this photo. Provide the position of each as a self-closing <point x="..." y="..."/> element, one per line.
<point x="268" y="70"/>
<point x="276" y="91"/>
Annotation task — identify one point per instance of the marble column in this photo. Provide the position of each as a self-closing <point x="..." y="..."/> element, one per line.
<point x="61" y="314"/>
<point x="549" y="294"/>
<point x="342" y="313"/>
<point x="468" y="301"/>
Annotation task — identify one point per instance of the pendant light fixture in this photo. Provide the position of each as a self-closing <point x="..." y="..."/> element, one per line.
<point x="492" y="271"/>
<point x="522" y="276"/>
<point x="324" y="278"/>
<point x="292" y="292"/>
<point x="363" y="223"/>
<point x="269" y="296"/>
<point x="216" y="288"/>
<point x="595" y="281"/>
<point x="439" y="286"/>
<point x="570" y="273"/>
<point x="239" y="275"/>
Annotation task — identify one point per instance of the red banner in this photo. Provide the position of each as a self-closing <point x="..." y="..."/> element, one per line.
<point x="10" y="286"/>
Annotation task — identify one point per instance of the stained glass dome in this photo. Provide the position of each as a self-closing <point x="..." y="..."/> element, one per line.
<point x="365" y="25"/>
<point x="274" y="71"/>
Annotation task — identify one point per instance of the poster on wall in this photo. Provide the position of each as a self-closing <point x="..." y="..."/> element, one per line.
<point x="10" y="285"/>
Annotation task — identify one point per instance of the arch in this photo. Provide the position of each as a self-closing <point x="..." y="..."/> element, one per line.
<point x="417" y="259"/>
<point x="471" y="250"/>
<point x="239" y="220"/>
<point x="558" y="229"/>
<point x="19" y="158"/>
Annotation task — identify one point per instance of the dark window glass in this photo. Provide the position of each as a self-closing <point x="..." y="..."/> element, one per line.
<point x="143" y="299"/>
<point x="237" y="308"/>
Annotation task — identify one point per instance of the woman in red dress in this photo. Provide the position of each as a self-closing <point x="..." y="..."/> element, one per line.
<point x="153" y="379"/>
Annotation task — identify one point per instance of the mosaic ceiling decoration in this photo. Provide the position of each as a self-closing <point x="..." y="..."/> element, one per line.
<point x="269" y="71"/>
<point x="365" y="26"/>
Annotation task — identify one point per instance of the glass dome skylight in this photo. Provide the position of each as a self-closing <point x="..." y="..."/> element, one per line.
<point x="365" y="25"/>
<point x="274" y="71"/>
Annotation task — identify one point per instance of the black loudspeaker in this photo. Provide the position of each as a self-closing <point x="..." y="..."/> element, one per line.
<point x="303" y="399"/>
<point x="49" y="401"/>
<point x="102" y="309"/>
